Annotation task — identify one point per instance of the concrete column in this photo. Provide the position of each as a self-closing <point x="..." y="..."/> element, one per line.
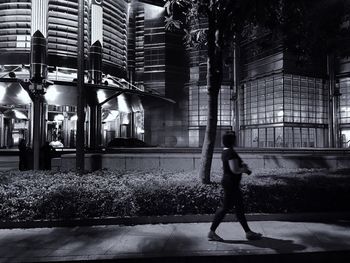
<point x="96" y="16"/>
<point x="95" y="70"/>
<point x="38" y="72"/>
<point x="38" y="117"/>
<point x="43" y="120"/>
<point x="38" y="56"/>
<point x="95" y="126"/>
<point x="2" y="129"/>
<point x="39" y="16"/>
<point x="65" y="130"/>
<point x="95" y="63"/>
<point x="96" y="41"/>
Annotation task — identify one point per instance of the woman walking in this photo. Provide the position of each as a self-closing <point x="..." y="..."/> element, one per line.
<point x="233" y="167"/>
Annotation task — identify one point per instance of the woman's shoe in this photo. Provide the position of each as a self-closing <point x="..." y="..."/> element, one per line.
<point x="212" y="236"/>
<point x="250" y="235"/>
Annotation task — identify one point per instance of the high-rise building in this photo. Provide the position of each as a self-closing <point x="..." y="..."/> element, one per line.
<point x="280" y="102"/>
<point x="133" y="63"/>
<point x="128" y="71"/>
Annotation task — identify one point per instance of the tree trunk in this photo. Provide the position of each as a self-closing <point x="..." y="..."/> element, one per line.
<point x="214" y="78"/>
<point x="235" y="94"/>
<point x="209" y="138"/>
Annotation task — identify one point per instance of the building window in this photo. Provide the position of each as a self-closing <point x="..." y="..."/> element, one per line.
<point x="295" y="108"/>
<point x="198" y="106"/>
<point x="23" y="41"/>
<point x="344" y="101"/>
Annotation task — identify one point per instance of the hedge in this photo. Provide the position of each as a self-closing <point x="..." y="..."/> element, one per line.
<point x="52" y="195"/>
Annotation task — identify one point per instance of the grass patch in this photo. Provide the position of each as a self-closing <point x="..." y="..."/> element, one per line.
<point x="50" y="195"/>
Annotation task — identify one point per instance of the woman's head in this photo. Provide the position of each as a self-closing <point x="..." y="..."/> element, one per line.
<point x="228" y="139"/>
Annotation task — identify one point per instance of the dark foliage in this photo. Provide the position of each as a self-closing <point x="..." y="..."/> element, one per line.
<point x="45" y="195"/>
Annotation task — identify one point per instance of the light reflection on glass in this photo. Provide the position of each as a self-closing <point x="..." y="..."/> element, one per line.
<point x="2" y="91"/>
<point x="23" y="96"/>
<point x="123" y="105"/>
<point x="101" y="96"/>
<point x="51" y="93"/>
<point x="59" y="117"/>
<point x="112" y="115"/>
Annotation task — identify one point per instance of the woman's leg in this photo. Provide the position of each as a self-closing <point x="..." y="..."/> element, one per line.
<point x="226" y="205"/>
<point x="239" y="205"/>
<point x="238" y="199"/>
<point x="219" y="216"/>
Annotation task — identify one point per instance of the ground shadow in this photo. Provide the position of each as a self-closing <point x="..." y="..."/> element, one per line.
<point x="278" y="245"/>
<point x="34" y="243"/>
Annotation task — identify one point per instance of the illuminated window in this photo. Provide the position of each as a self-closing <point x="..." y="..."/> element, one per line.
<point x="287" y="100"/>
<point x="23" y="41"/>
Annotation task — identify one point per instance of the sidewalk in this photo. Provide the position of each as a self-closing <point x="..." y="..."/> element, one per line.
<point x="290" y="241"/>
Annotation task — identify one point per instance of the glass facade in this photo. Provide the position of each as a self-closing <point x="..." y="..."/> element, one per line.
<point x="344" y="85"/>
<point x="63" y="28"/>
<point x="198" y="109"/>
<point x="344" y="112"/>
<point x="115" y="17"/>
<point x="119" y="116"/>
<point x="276" y="109"/>
<point x="198" y="106"/>
<point x="15" y="25"/>
<point x="284" y="110"/>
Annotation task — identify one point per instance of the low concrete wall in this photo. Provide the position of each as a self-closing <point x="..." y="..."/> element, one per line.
<point x="191" y="161"/>
<point x="9" y="163"/>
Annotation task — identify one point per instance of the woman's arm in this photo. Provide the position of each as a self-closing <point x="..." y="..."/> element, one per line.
<point x="235" y="167"/>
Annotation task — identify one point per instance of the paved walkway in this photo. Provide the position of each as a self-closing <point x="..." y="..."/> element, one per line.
<point x="174" y="242"/>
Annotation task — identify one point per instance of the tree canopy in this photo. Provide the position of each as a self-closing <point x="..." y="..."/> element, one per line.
<point x="306" y="27"/>
<point x="314" y="27"/>
<point x="232" y="18"/>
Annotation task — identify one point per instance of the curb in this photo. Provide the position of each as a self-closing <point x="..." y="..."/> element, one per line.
<point x="171" y="219"/>
<point x="341" y="256"/>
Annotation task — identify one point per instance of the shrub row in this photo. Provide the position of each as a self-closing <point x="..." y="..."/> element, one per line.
<point x="48" y="195"/>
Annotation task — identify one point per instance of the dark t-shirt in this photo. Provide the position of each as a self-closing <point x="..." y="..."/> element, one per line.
<point x="230" y="154"/>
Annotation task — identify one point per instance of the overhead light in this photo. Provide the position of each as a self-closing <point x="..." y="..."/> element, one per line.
<point x="101" y="96"/>
<point x="140" y="130"/>
<point x="51" y="93"/>
<point x="123" y="105"/>
<point x="112" y="115"/>
<point x="20" y="115"/>
<point x="2" y="91"/>
<point x="15" y="114"/>
<point x="74" y="118"/>
<point x="59" y="117"/>
<point x="23" y="96"/>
